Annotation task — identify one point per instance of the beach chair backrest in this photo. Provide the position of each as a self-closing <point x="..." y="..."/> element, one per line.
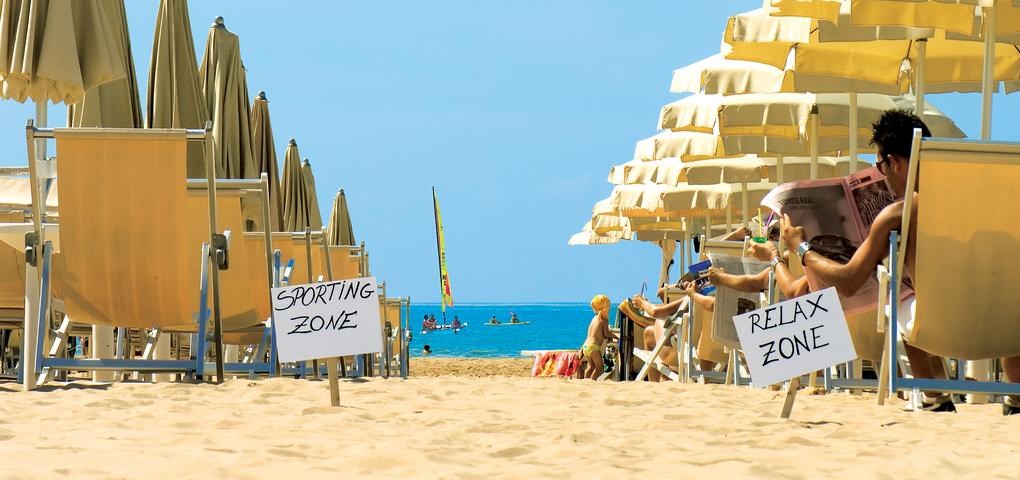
<point x="130" y="235"/>
<point x="968" y="241"/>
<point x="236" y="292"/>
<point x="346" y="262"/>
<point x="722" y="329"/>
<point x="255" y="247"/>
<point x="708" y="347"/>
<point x="12" y="277"/>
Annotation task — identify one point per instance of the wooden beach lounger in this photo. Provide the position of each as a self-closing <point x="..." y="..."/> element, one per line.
<point x="967" y="270"/>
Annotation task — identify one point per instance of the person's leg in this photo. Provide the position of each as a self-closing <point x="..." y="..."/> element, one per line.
<point x="649" y="344"/>
<point x="926" y="365"/>
<point x="1011" y="366"/>
<point x="595" y="361"/>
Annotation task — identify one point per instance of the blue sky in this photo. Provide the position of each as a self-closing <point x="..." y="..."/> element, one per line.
<point x="515" y="111"/>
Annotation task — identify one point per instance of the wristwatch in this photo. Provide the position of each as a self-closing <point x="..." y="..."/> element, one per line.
<point x="802" y="250"/>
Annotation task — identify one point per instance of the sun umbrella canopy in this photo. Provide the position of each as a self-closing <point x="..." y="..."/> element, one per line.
<point x="718" y="75"/>
<point x="226" y="95"/>
<point x="56" y="50"/>
<point x="341" y="229"/>
<point x="587" y="237"/>
<point x="683" y="200"/>
<point x="113" y="104"/>
<point x="877" y="65"/>
<point x="174" y="96"/>
<point x="961" y="16"/>
<point x="682" y="145"/>
<point x="265" y="156"/>
<point x="297" y="199"/>
<point x="778" y="123"/>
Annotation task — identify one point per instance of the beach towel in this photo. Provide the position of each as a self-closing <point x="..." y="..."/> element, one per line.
<point x="551" y="364"/>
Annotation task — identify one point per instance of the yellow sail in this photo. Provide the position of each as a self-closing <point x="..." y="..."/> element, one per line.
<point x="444" y="277"/>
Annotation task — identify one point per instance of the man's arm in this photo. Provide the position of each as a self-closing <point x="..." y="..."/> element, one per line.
<point x="848" y="278"/>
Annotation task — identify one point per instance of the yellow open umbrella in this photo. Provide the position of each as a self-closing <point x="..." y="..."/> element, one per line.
<point x="226" y="95"/>
<point x="113" y="104"/>
<point x="174" y="96"/>
<point x="588" y="237"/>
<point x="341" y="229"/>
<point x="265" y="157"/>
<point x="683" y="145"/>
<point x="984" y="20"/>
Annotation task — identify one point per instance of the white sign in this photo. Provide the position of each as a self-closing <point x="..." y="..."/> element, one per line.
<point x="323" y="320"/>
<point x="795" y="337"/>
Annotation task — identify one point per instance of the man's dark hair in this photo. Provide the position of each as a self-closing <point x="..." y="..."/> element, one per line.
<point x="894" y="132"/>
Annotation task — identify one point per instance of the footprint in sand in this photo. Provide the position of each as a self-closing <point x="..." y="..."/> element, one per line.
<point x="513" y="452"/>
<point x="322" y="411"/>
<point x="287" y="453"/>
<point x="5" y="434"/>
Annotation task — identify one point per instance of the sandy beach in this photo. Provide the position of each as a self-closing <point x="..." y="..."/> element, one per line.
<point x="484" y="427"/>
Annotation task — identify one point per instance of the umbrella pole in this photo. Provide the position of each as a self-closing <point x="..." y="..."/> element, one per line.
<point x="920" y="81"/>
<point x="779" y="169"/>
<point x="987" y="79"/>
<point x="853" y="131"/>
<point x="215" y="250"/>
<point x="814" y="142"/>
<point x="729" y="219"/>
<point x="745" y="202"/>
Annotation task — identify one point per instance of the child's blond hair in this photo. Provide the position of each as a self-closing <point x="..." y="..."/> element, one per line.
<point x="600" y="304"/>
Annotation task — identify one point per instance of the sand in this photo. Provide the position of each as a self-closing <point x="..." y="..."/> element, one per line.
<point x="478" y="427"/>
<point x="471" y="367"/>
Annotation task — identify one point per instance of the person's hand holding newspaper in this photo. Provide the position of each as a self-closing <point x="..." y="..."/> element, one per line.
<point x="792" y="234"/>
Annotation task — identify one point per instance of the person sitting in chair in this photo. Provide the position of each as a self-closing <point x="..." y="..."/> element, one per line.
<point x="892" y="135"/>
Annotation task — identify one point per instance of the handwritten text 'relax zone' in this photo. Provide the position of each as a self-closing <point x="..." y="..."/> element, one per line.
<point x="788" y="347"/>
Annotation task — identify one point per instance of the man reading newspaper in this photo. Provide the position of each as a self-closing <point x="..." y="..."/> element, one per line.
<point x="892" y="136"/>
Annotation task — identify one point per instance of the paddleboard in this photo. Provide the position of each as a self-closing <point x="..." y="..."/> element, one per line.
<point x="443" y="328"/>
<point x="504" y="324"/>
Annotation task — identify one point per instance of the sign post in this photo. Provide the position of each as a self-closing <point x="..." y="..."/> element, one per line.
<point x="327" y="320"/>
<point x="788" y="339"/>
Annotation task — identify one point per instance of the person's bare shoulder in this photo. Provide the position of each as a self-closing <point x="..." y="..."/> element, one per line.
<point x="888" y="219"/>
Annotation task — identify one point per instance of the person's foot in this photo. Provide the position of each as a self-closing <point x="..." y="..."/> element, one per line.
<point x="940" y="406"/>
<point x="1008" y="410"/>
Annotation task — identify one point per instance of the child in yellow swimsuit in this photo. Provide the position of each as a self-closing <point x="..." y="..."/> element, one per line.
<point x="598" y="332"/>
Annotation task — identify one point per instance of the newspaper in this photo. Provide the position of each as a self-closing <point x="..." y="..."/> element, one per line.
<point x="836" y="214"/>
<point x="729" y="302"/>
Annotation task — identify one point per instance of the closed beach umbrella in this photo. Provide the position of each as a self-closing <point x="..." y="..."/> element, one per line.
<point x="174" y="97"/>
<point x="341" y="230"/>
<point x="56" y="50"/>
<point x="265" y="157"/>
<point x="314" y="216"/>
<point x="294" y="190"/>
<point x="114" y="104"/>
<point x="226" y="99"/>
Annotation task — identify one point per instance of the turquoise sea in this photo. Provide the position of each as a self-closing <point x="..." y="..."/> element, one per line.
<point x="553" y="326"/>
